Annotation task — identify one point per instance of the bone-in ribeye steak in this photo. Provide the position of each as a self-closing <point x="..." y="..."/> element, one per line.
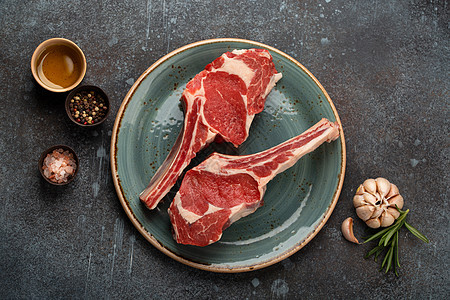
<point x="220" y="100"/>
<point x="225" y="188"/>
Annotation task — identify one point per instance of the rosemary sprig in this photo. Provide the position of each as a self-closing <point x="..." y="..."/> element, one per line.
<point x="388" y="240"/>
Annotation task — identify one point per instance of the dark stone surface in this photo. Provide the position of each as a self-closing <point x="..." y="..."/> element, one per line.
<point x="385" y="64"/>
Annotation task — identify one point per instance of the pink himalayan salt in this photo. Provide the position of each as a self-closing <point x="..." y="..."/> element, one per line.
<point x="59" y="165"/>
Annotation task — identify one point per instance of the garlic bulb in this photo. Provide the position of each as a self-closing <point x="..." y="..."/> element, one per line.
<point x="375" y="202"/>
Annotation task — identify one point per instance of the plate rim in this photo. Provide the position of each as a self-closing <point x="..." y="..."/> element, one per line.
<point x="154" y="241"/>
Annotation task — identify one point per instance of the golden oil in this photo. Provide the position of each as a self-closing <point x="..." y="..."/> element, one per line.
<point x="59" y="66"/>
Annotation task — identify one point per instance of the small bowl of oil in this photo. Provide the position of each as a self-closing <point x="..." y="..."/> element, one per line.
<point x="58" y="65"/>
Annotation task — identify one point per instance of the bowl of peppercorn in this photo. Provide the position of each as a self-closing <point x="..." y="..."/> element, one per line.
<point x="87" y="105"/>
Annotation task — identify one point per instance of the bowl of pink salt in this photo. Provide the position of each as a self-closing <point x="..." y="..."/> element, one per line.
<point x="59" y="164"/>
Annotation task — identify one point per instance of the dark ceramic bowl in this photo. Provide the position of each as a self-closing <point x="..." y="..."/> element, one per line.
<point x="87" y="89"/>
<point x="50" y="150"/>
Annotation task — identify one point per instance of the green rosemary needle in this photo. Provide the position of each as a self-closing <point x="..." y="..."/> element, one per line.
<point x="388" y="240"/>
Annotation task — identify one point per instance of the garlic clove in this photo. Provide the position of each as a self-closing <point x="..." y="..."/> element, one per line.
<point x="358" y="200"/>
<point x="396" y="200"/>
<point x="360" y="190"/>
<point x="394" y="212"/>
<point x="370" y="185"/>
<point x="387" y="219"/>
<point x="393" y="191"/>
<point x="373" y="223"/>
<point x="365" y="212"/>
<point x="383" y="186"/>
<point x="347" y="230"/>
<point x="378" y="211"/>
<point x="369" y="198"/>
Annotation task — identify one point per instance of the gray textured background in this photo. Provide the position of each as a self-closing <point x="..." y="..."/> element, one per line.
<point x="385" y="65"/>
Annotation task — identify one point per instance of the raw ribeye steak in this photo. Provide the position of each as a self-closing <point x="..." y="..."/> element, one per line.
<point x="220" y="100"/>
<point x="225" y="188"/>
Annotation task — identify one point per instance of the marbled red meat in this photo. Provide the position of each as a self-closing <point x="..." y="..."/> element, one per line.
<point x="221" y="100"/>
<point x="225" y="188"/>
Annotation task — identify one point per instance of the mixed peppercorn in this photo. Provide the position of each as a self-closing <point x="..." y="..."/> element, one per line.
<point x="88" y="107"/>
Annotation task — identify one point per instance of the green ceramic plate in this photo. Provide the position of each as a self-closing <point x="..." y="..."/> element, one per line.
<point x="297" y="203"/>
